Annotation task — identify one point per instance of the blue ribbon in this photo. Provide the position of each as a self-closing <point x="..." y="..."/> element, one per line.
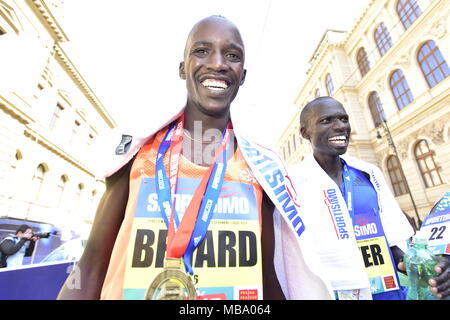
<point x="161" y="180"/>
<point x="209" y="200"/>
<point x="349" y="175"/>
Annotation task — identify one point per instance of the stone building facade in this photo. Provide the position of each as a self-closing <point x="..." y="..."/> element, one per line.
<point x="49" y="121"/>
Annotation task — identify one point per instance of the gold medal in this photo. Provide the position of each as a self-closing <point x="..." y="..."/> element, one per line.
<point x="172" y="283"/>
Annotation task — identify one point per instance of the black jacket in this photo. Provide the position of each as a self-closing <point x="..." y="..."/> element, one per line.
<point x="8" y="247"/>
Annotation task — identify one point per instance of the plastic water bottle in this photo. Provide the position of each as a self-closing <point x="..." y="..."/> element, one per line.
<point x="420" y="263"/>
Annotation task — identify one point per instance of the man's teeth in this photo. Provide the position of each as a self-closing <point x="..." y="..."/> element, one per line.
<point x="214" y="84"/>
<point x="338" y="139"/>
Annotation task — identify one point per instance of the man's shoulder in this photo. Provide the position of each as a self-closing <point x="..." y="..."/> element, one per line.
<point x="116" y="149"/>
<point x="10" y="238"/>
<point x="295" y="168"/>
<point x="301" y="166"/>
<point x="118" y="146"/>
<point x="359" y="164"/>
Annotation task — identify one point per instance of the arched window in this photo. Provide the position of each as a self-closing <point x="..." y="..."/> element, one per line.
<point x="61" y="188"/>
<point x="408" y="11"/>
<point x="427" y="165"/>
<point x="382" y="39"/>
<point x="74" y="138"/>
<point x="317" y="93"/>
<point x="432" y="63"/>
<point x="78" y="197"/>
<point x="56" y="117"/>
<point x="90" y="140"/>
<point x="80" y="191"/>
<point x="400" y="89"/>
<point x="17" y="157"/>
<point x="396" y="176"/>
<point x="92" y="200"/>
<point x="36" y="183"/>
<point x="363" y="61"/>
<point x="376" y="108"/>
<point x="329" y="84"/>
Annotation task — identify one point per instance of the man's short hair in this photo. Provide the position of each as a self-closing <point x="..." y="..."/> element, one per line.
<point x="214" y="16"/>
<point x="304" y="115"/>
<point x="22" y="228"/>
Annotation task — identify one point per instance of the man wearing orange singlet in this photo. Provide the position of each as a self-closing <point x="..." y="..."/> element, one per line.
<point x="195" y="211"/>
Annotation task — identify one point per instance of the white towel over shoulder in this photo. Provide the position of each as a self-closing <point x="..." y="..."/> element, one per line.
<point x="334" y="238"/>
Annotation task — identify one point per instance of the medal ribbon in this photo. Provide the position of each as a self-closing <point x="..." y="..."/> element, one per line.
<point x="184" y="237"/>
<point x="349" y="175"/>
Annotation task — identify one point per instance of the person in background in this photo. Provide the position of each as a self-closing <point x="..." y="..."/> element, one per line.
<point x="436" y="225"/>
<point x="361" y="232"/>
<point x="15" y="247"/>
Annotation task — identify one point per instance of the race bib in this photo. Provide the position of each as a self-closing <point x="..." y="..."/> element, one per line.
<point x="436" y="227"/>
<point x="227" y="264"/>
<point x="377" y="260"/>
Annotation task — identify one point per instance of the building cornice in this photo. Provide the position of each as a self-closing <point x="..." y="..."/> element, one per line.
<point x="323" y="44"/>
<point x="46" y="143"/>
<point x="49" y="21"/>
<point x="14" y="112"/>
<point x="67" y="64"/>
<point x="45" y="15"/>
<point x="359" y="20"/>
<point x="8" y="14"/>
<point x="325" y="47"/>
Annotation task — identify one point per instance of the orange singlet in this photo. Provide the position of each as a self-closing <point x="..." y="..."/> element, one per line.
<point x="227" y="264"/>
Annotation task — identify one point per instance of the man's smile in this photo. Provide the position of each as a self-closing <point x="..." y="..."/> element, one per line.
<point x="215" y="84"/>
<point x="338" y="141"/>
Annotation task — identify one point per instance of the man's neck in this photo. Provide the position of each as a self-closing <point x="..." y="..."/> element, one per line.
<point x="332" y="165"/>
<point x="203" y="134"/>
<point x="195" y="119"/>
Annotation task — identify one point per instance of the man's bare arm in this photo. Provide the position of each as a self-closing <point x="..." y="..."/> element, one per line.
<point x="92" y="267"/>
<point x="271" y="286"/>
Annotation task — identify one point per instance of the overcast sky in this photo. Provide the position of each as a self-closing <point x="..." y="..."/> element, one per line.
<point x="129" y="52"/>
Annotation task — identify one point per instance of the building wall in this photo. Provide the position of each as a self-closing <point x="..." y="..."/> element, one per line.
<point x="426" y="117"/>
<point x="38" y="79"/>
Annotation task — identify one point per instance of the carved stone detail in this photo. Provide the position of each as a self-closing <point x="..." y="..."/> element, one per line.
<point x="439" y="28"/>
<point x="404" y="61"/>
<point x="380" y="85"/>
<point x="433" y="131"/>
<point x="402" y="149"/>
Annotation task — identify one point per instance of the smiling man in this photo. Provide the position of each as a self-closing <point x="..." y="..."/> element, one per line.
<point x="193" y="210"/>
<point x="358" y="225"/>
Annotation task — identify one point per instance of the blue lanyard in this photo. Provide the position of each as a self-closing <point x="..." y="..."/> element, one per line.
<point x="209" y="200"/>
<point x="347" y="177"/>
<point x="207" y="207"/>
<point x="162" y="182"/>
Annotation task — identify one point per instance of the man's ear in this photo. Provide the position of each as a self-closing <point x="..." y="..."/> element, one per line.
<point x="304" y="133"/>
<point x="243" y="77"/>
<point x="181" y="71"/>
